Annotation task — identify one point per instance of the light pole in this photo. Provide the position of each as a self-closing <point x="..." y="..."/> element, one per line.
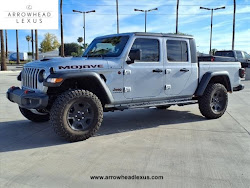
<point x="177" y="16"/>
<point x="84" y="12"/>
<point x="117" y="16"/>
<point x="146" y="11"/>
<point x="6" y="44"/>
<point x="212" y="12"/>
<point x="234" y="25"/>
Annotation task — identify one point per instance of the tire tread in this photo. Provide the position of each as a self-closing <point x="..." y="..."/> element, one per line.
<point x="204" y="104"/>
<point x="57" y="114"/>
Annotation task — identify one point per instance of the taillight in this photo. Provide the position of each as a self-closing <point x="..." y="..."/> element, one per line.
<point x="242" y="72"/>
<point x="212" y="59"/>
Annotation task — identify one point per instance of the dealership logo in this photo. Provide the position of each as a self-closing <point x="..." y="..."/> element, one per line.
<point x="29" y="7"/>
<point x="16" y="14"/>
<point x="22" y="17"/>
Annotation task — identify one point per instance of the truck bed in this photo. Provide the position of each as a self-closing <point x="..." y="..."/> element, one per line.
<point x="231" y="67"/>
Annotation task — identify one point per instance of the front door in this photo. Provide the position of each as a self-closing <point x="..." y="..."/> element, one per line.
<point x="144" y="78"/>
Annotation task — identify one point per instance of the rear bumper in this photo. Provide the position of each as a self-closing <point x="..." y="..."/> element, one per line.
<point x="239" y="87"/>
<point x="27" y="99"/>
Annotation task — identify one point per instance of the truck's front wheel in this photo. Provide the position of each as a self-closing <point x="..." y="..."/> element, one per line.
<point x="76" y="115"/>
<point x="213" y="103"/>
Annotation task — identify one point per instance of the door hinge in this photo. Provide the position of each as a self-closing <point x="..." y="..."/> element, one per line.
<point x="127" y="89"/>
<point x="127" y="72"/>
<point x="167" y="87"/>
<point x="167" y="71"/>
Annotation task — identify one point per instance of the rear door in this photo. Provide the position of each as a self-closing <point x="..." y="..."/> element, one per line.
<point x="181" y="74"/>
<point x="144" y="78"/>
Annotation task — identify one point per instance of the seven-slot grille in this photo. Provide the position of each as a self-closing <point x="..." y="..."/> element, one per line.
<point x="30" y="77"/>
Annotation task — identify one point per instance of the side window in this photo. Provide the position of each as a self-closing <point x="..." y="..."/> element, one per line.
<point x="149" y="49"/>
<point x="177" y="51"/>
<point x="239" y="54"/>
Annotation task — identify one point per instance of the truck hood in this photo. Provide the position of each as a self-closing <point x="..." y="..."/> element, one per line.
<point x="69" y="63"/>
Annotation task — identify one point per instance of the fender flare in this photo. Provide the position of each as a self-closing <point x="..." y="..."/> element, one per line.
<point x="76" y="75"/>
<point x="208" y="76"/>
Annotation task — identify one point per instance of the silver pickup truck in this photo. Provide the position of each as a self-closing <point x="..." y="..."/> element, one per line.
<point x="123" y="71"/>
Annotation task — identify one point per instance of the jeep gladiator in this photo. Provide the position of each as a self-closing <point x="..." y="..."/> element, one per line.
<point x="122" y="71"/>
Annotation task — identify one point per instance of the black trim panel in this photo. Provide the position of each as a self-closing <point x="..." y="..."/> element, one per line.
<point x="29" y="99"/>
<point x="206" y="79"/>
<point x="77" y="75"/>
<point x="239" y="87"/>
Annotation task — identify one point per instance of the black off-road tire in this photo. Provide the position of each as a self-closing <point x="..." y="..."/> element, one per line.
<point x="163" y="107"/>
<point x="213" y="103"/>
<point x="65" y="115"/>
<point x="34" y="117"/>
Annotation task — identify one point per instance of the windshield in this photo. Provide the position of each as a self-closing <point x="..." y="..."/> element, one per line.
<point x="106" y="47"/>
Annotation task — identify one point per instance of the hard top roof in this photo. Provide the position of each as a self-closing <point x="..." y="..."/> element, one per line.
<point x="150" y="34"/>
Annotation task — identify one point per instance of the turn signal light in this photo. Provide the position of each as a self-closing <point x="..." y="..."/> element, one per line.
<point x="54" y="80"/>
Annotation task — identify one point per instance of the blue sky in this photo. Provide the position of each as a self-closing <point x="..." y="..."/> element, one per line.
<point x="192" y="21"/>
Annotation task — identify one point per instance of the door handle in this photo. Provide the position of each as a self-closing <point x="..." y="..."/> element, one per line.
<point x="184" y="70"/>
<point x="158" y="70"/>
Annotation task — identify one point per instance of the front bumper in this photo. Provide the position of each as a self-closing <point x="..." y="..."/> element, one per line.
<point x="27" y="99"/>
<point x="239" y="87"/>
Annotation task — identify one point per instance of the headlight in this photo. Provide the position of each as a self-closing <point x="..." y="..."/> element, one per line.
<point x="41" y="76"/>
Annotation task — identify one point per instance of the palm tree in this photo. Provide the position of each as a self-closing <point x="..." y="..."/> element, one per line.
<point x="80" y="40"/>
<point x="36" y="44"/>
<point x="213" y="51"/>
<point x="17" y="49"/>
<point x="28" y="38"/>
<point x="3" y="62"/>
<point x="61" y="14"/>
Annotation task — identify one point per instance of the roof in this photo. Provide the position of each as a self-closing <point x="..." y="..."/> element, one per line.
<point x="149" y="34"/>
<point x="162" y="35"/>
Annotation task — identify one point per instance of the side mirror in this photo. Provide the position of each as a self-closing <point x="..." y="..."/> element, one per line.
<point x="134" y="54"/>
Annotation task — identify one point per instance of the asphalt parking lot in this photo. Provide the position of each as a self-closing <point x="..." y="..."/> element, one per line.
<point x="178" y="144"/>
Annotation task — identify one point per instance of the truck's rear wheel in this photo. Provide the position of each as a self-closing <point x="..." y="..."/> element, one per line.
<point x="213" y="103"/>
<point x="34" y="117"/>
<point x="76" y="115"/>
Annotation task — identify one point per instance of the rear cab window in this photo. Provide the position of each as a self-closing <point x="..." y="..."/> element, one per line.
<point x="224" y="53"/>
<point x="177" y="50"/>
